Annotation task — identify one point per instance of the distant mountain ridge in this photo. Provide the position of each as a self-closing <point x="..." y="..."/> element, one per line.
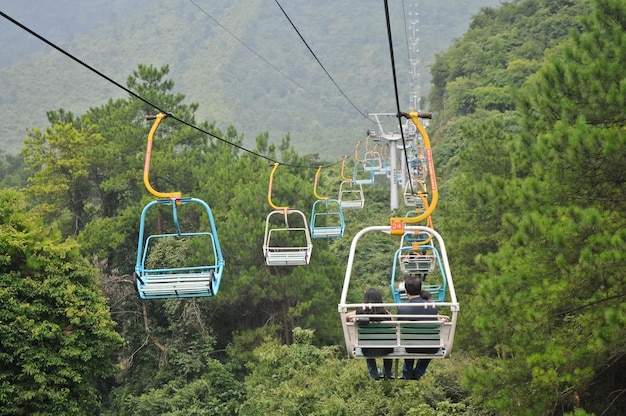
<point x="250" y="70"/>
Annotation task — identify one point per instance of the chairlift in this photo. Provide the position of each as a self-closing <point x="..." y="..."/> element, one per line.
<point x="201" y="274"/>
<point x="414" y="336"/>
<point x="327" y="219"/>
<point x="363" y="173"/>
<point x="351" y="196"/>
<point x="423" y="261"/>
<point x="415" y="194"/>
<point x="287" y="239"/>
<point x="363" y="169"/>
<point x="160" y="279"/>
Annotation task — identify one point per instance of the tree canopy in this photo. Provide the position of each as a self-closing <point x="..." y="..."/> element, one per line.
<point x="57" y="336"/>
<point x="529" y="137"/>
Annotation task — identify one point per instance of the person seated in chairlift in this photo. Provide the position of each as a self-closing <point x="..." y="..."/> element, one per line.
<point x="373" y="295"/>
<point x="413" y="287"/>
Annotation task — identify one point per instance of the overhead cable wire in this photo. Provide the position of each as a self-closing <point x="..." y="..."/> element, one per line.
<point x="155" y="106"/>
<point x="254" y="52"/>
<point x="395" y="88"/>
<point x="320" y="63"/>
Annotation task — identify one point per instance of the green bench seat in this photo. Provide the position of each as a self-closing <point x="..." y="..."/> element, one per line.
<point x="408" y="339"/>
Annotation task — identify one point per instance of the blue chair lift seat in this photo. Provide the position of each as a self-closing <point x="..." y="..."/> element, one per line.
<point x="363" y="173"/>
<point x="385" y="168"/>
<point x="327" y="221"/>
<point x="415" y="237"/>
<point x="408" y="261"/>
<point x="192" y="283"/>
<point x="183" y="280"/>
<point x="373" y="162"/>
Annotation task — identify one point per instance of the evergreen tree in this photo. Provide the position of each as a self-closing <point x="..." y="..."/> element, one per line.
<point x="56" y="335"/>
<point x="550" y="303"/>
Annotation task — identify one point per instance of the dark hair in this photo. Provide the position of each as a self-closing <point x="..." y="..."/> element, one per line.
<point x="373" y="295"/>
<point x="426" y="295"/>
<point x="413" y="285"/>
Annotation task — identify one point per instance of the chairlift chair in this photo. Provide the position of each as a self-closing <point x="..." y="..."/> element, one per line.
<point x="287" y="240"/>
<point x="351" y="196"/>
<point x="327" y="219"/>
<point x="177" y="277"/>
<point x="181" y="280"/>
<point x="363" y="173"/>
<point x="415" y="194"/>
<point x="408" y="336"/>
<point x="287" y="244"/>
<point x="423" y="261"/>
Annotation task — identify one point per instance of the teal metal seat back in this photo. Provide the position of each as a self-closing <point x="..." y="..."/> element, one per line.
<point x="185" y="279"/>
<point x="363" y="173"/>
<point x="327" y="220"/>
<point x="424" y="268"/>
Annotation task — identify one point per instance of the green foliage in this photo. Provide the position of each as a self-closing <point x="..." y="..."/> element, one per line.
<point x="531" y="210"/>
<point x="61" y="161"/>
<point x="243" y="62"/>
<point x="546" y="245"/>
<point x="12" y="173"/>
<point x="215" y="392"/>
<point x="56" y="331"/>
<point x="303" y="379"/>
<point x="502" y="47"/>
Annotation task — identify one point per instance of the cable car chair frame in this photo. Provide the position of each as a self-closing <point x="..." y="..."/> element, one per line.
<point x="351" y="196"/>
<point x="363" y="173"/>
<point x="181" y="281"/>
<point x="347" y="192"/>
<point x="415" y="197"/>
<point x="327" y="219"/>
<point x="374" y="159"/>
<point x="410" y="336"/>
<point x="285" y="255"/>
<point x="421" y="260"/>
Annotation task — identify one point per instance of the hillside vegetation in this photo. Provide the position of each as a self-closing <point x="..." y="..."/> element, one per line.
<point x="240" y="60"/>
<point x="529" y="141"/>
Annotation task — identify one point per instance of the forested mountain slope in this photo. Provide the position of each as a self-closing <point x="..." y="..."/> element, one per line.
<point x="529" y="138"/>
<point x="533" y="142"/>
<point x="240" y="60"/>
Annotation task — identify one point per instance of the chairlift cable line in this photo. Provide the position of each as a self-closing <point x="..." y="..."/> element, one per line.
<point x="254" y="52"/>
<point x="395" y="89"/>
<point x="139" y="97"/>
<point x="274" y="67"/>
<point x="320" y="63"/>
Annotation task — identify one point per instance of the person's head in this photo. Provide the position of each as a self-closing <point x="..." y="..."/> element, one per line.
<point x="426" y="295"/>
<point x="373" y="295"/>
<point x="413" y="285"/>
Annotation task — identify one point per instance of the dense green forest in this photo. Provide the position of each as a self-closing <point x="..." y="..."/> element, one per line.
<point x="241" y="61"/>
<point x="529" y="139"/>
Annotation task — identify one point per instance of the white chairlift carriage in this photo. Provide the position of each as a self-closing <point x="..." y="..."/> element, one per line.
<point x="351" y="195"/>
<point x="410" y="336"/>
<point x="287" y="240"/>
